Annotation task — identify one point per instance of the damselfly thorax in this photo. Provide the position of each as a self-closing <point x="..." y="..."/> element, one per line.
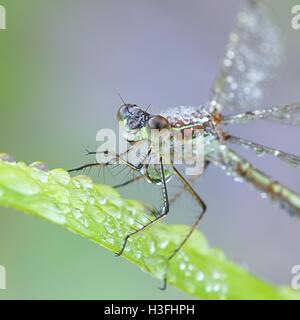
<point x="178" y="136"/>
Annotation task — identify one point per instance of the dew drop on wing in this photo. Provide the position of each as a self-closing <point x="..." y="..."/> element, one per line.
<point x="259" y="151"/>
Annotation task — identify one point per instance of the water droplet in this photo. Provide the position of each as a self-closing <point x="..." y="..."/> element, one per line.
<point x="216" y="275"/>
<point x="40" y="166"/>
<point x="199" y="276"/>
<point x="77" y="214"/>
<point x="22" y="165"/>
<point x="182" y="266"/>
<point x="243" y="17"/>
<point x="51" y="211"/>
<point x="108" y="227"/>
<point x="230" y="54"/>
<point x="190" y="267"/>
<point x="107" y="238"/>
<point x="263" y="195"/>
<point x="183" y="256"/>
<point x="130" y="221"/>
<point x="84" y="222"/>
<point x="216" y="287"/>
<point x="102" y="201"/>
<point x="229" y="79"/>
<point x="259" y="152"/>
<point x="115" y="213"/>
<point x="276" y="153"/>
<point x="21" y="183"/>
<point x="76" y="183"/>
<point x="60" y="176"/>
<point x="152" y="247"/>
<point x="83" y="181"/>
<point x="138" y="254"/>
<point x="234" y="37"/>
<point x="163" y="244"/>
<point x="208" y="288"/>
<point x="96" y="215"/>
<point x="238" y="179"/>
<point x="157" y="265"/>
<point x="78" y="200"/>
<point x="7" y="158"/>
<point x="40" y="175"/>
<point x="227" y="63"/>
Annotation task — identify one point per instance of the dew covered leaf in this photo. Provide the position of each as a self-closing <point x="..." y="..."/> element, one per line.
<point x="99" y="213"/>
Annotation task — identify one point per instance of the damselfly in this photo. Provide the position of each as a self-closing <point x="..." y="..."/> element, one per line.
<point x="252" y="55"/>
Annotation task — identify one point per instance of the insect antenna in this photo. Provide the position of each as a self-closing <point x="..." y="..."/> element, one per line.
<point x="121" y="98"/>
<point x="148" y="108"/>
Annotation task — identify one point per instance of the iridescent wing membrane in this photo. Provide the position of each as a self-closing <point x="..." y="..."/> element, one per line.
<point x="253" y="54"/>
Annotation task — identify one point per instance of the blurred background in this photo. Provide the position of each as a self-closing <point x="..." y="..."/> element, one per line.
<point x="62" y="65"/>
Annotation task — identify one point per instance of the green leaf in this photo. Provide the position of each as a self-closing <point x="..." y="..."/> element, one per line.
<point x="98" y="212"/>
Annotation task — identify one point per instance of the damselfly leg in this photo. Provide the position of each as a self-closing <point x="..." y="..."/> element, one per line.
<point x="187" y="186"/>
<point x="128" y="182"/>
<point x="192" y="180"/>
<point x="158" y="216"/>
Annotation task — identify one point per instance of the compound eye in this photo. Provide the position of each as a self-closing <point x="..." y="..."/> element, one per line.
<point x="123" y="112"/>
<point x="159" y="123"/>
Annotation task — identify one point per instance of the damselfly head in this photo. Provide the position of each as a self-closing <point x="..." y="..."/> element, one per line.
<point x="138" y="122"/>
<point x="132" y="116"/>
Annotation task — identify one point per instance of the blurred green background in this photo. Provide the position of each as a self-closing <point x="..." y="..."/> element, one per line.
<point x="62" y="65"/>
